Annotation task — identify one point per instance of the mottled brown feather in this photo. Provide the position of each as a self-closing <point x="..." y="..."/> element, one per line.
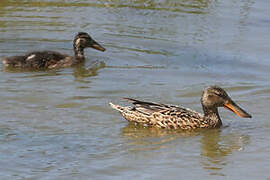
<point x="177" y="117"/>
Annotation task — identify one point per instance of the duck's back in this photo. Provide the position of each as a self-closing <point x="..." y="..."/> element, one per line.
<point x="161" y="115"/>
<point x="37" y="60"/>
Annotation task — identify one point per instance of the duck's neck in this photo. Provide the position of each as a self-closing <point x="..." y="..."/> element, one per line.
<point x="211" y="115"/>
<point x="79" y="53"/>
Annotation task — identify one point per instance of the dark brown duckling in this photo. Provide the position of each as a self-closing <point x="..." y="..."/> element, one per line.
<point x="52" y="59"/>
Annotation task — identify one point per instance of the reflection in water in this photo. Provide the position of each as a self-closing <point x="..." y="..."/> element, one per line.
<point x="147" y="138"/>
<point x="3" y="24"/>
<point x="151" y="138"/>
<point x="137" y="131"/>
<point x="193" y="6"/>
<point x="21" y="70"/>
<point x="81" y="72"/>
<point x="244" y="15"/>
<point x="216" y="146"/>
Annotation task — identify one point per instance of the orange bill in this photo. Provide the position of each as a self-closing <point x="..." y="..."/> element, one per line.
<point x="232" y="106"/>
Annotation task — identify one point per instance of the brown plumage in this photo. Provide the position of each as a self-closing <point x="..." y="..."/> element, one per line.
<point x="52" y="59"/>
<point x="176" y="117"/>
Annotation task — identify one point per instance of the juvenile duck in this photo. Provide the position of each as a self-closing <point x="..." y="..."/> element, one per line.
<point x="52" y="59"/>
<point x="176" y="117"/>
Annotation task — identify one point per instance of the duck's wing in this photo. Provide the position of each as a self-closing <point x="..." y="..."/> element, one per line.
<point x="165" y="109"/>
<point x="43" y="59"/>
<point x="148" y="107"/>
<point x="160" y="115"/>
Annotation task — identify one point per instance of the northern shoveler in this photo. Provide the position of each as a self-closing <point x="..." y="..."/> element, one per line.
<point x="176" y="117"/>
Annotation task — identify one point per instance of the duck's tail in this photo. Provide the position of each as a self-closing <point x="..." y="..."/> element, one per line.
<point x="117" y="107"/>
<point x="6" y="61"/>
<point x="14" y="61"/>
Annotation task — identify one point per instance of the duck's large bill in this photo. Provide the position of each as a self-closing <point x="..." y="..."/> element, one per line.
<point x="232" y="106"/>
<point x="97" y="46"/>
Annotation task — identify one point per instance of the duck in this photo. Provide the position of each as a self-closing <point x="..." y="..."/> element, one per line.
<point x="166" y="116"/>
<point x="53" y="59"/>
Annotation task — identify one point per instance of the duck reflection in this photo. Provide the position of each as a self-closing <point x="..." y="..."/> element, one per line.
<point x="82" y="71"/>
<point x="150" y="138"/>
<point x="137" y="131"/>
<point x="191" y="6"/>
<point x="215" y="144"/>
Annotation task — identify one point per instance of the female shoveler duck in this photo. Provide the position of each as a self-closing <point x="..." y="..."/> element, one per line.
<point x="175" y="117"/>
<point x="52" y="59"/>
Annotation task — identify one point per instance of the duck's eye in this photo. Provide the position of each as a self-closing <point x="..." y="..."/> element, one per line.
<point x="222" y="95"/>
<point x="217" y="93"/>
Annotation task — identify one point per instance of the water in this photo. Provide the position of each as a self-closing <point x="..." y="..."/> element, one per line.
<point x="58" y="124"/>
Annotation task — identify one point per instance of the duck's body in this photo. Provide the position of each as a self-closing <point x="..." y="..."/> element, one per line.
<point x="40" y="60"/>
<point x="176" y="117"/>
<point x="53" y="59"/>
<point x="162" y="115"/>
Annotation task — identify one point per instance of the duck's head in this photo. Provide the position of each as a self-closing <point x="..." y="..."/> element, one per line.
<point x="83" y="40"/>
<point x="214" y="97"/>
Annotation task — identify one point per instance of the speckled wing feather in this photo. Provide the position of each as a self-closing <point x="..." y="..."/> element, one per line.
<point x="161" y="115"/>
<point x="44" y="59"/>
<point x="147" y="107"/>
